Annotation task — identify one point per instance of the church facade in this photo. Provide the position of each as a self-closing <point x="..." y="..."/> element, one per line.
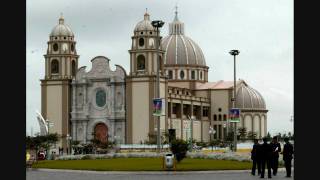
<point x="116" y="105"/>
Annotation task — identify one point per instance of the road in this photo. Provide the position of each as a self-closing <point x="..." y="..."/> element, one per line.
<point x="46" y="174"/>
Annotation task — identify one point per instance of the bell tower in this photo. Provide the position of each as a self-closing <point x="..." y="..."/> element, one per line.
<point x="61" y="64"/>
<point x="141" y="83"/>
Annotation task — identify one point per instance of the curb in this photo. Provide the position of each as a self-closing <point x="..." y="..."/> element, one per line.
<point x="144" y="172"/>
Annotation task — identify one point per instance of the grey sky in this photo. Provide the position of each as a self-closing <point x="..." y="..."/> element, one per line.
<point x="262" y="31"/>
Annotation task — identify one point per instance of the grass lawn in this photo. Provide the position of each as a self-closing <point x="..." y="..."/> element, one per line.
<point x="141" y="164"/>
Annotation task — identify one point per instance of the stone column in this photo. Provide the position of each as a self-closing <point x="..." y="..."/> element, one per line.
<point x="201" y="122"/>
<point x="84" y="132"/>
<point x="181" y="114"/>
<point x="191" y="114"/>
<point x="171" y="121"/>
<point x="74" y="134"/>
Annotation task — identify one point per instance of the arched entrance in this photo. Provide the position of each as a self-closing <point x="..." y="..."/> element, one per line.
<point x="100" y="132"/>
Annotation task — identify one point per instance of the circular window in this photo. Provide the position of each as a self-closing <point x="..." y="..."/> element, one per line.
<point x="55" y="47"/>
<point x="55" y="38"/>
<point x="141" y="33"/>
<point x="219" y="109"/>
<point x="150" y="32"/>
<point x="100" y="98"/>
<point x="182" y="74"/>
<point x="72" y="47"/>
<point x="64" y="38"/>
<point x="141" y="42"/>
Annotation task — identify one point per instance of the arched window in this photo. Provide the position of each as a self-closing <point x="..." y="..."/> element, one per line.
<point x="181" y="74"/>
<point x="54" y="66"/>
<point x="141" y="42"/>
<point x="141" y="63"/>
<point x="55" y="47"/>
<point x="193" y="75"/>
<point x="170" y="74"/>
<point x="73" y="68"/>
<point x="215" y="117"/>
<point x="72" y="47"/>
<point x="224" y="117"/>
<point x="220" y="118"/>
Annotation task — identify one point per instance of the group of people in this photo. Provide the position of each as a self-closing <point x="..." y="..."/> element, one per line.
<point x="268" y="154"/>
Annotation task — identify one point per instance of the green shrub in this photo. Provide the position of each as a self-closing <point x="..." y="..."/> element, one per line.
<point x="179" y="148"/>
<point x="86" y="157"/>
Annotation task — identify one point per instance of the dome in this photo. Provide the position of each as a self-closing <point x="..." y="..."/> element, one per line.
<point x="145" y="24"/>
<point x="61" y="29"/>
<point x="180" y="49"/>
<point x="249" y="98"/>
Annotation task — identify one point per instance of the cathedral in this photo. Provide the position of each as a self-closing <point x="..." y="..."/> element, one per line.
<point x="99" y="103"/>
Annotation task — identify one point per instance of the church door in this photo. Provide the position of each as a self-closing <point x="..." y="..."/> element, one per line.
<point x="101" y="132"/>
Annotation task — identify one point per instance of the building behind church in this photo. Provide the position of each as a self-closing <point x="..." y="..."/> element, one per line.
<point x="117" y="106"/>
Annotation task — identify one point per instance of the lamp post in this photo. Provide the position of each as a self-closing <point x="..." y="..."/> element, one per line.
<point x="158" y="24"/>
<point x="234" y="53"/>
<point x="69" y="143"/>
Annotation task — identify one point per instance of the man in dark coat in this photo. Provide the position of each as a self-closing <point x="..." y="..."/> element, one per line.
<point x="266" y="153"/>
<point x="255" y="156"/>
<point x="276" y="148"/>
<point x="287" y="156"/>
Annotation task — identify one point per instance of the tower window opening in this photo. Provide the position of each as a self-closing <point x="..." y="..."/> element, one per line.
<point x="55" y="47"/>
<point x="219" y="117"/>
<point x="181" y="74"/>
<point x="193" y="75"/>
<point x="215" y="117"/>
<point x="64" y="37"/>
<point x="141" y="33"/>
<point x="170" y="74"/>
<point x="54" y="66"/>
<point x="73" y="69"/>
<point x="141" y="42"/>
<point x="201" y="75"/>
<point x="141" y="63"/>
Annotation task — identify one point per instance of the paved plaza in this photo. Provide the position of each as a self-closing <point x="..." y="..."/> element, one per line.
<point x="46" y="174"/>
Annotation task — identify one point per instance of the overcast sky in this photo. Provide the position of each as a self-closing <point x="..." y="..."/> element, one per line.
<point x="261" y="29"/>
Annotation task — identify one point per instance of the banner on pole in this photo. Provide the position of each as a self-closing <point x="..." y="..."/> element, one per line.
<point x="234" y="115"/>
<point x="159" y="107"/>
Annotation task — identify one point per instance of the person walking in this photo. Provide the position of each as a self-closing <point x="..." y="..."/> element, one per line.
<point x="266" y="152"/>
<point x="276" y="148"/>
<point x="255" y="156"/>
<point x="287" y="156"/>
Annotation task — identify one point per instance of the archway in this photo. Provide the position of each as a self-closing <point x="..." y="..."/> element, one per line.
<point x="101" y="132"/>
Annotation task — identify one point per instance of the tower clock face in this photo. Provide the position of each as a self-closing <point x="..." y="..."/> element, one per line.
<point x="65" y="46"/>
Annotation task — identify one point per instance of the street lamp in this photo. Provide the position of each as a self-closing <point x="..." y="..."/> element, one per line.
<point x="69" y="143"/>
<point x="234" y="53"/>
<point x="224" y="132"/>
<point x="158" y="24"/>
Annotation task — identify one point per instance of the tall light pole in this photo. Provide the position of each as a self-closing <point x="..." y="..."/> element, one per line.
<point x="158" y="24"/>
<point x="234" y="53"/>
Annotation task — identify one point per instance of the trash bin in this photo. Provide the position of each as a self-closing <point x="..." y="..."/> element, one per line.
<point x="168" y="161"/>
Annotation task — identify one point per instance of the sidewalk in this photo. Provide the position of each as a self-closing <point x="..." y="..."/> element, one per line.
<point x="147" y="172"/>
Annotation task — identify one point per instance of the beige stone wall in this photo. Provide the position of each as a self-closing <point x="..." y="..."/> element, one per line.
<point x="205" y="132"/>
<point x="203" y="93"/>
<point x="176" y="124"/>
<point x="140" y="109"/>
<point x="197" y="130"/>
<point x="54" y="107"/>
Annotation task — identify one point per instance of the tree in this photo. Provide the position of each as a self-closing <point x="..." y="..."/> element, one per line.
<point x="268" y="136"/>
<point x="179" y="148"/>
<point x="214" y="143"/>
<point x="242" y="133"/>
<point x="252" y="135"/>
